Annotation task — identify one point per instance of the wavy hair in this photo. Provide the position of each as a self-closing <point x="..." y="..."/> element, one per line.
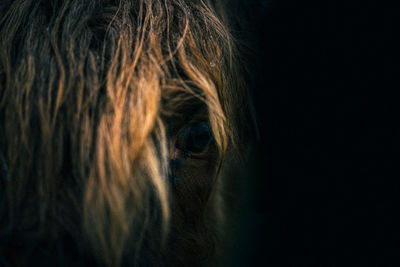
<point x="89" y="93"/>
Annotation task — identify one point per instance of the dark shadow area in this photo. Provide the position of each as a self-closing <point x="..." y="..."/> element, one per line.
<point x="326" y="189"/>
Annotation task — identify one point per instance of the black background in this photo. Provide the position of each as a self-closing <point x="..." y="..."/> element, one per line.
<point x="325" y="84"/>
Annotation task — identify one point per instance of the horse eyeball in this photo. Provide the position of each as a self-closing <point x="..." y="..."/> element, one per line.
<point x="195" y="138"/>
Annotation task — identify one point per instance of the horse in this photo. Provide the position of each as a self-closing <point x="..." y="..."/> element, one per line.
<point x="119" y="123"/>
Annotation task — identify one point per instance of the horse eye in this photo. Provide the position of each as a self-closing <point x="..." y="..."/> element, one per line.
<point x="195" y="138"/>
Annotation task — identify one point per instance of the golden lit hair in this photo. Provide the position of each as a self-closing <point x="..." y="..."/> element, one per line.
<point x="86" y="90"/>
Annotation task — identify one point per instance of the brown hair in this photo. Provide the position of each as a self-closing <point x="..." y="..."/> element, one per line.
<point x="88" y="92"/>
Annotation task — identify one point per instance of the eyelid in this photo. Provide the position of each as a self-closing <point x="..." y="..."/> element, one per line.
<point x="177" y="124"/>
